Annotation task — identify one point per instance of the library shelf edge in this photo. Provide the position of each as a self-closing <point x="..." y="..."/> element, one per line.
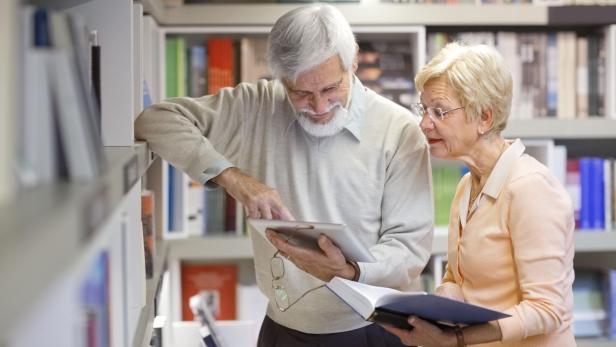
<point x="397" y="14"/>
<point x="49" y="229"/>
<point x="240" y="247"/>
<point x="146" y="318"/>
<point x="363" y="14"/>
<point x="589" y="128"/>
<point x="210" y="248"/>
<point x="586" y="241"/>
<point x="594" y="342"/>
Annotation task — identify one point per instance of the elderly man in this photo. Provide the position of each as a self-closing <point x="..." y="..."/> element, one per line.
<point x="313" y="144"/>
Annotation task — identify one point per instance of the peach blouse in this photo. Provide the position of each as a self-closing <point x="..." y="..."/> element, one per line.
<point x="514" y="253"/>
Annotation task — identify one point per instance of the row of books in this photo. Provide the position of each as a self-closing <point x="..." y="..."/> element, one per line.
<point x="386" y="66"/>
<point x="591" y="183"/>
<point x="59" y="133"/>
<point x="594" y="297"/>
<point x="594" y="291"/>
<point x="200" y="69"/>
<point x="559" y="74"/>
<point x="195" y="71"/>
<point x="594" y="303"/>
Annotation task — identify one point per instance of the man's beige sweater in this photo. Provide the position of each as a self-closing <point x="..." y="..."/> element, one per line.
<point x="373" y="176"/>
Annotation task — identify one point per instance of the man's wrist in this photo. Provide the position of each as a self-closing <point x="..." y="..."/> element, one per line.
<point x="224" y="178"/>
<point x="356" y="271"/>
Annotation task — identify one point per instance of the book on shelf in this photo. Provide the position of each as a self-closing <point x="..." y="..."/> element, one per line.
<point x="149" y="234"/>
<point x="95" y="304"/>
<point x="59" y="131"/>
<point x="386" y="66"/>
<point x="445" y="180"/>
<point x="610" y="292"/>
<point x="393" y="307"/>
<point x="253" y="61"/>
<point x="217" y="282"/>
<point x="562" y="74"/>
<point x="220" y="60"/>
<point x="208" y="330"/>
<point x="589" y="304"/>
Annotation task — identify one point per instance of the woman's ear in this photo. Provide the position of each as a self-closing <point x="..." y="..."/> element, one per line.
<point x="486" y="121"/>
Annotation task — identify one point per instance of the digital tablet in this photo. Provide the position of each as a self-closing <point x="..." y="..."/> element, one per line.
<point x="305" y="234"/>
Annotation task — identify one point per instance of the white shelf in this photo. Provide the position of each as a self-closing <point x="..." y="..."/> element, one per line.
<point x="210" y="248"/>
<point x="562" y="128"/>
<point x="47" y="230"/>
<point x="230" y="247"/>
<point x="146" y="318"/>
<point x="362" y="14"/>
<point x="595" y="241"/>
<point x="598" y="342"/>
<point x="585" y="241"/>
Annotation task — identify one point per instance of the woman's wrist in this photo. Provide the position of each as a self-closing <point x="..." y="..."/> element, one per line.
<point x="459" y="335"/>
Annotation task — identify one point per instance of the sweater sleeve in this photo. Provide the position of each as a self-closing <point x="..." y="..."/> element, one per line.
<point x="405" y="238"/>
<point x="541" y="227"/>
<point x="201" y="136"/>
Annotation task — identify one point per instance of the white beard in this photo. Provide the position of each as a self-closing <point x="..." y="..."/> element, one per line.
<point x="340" y="119"/>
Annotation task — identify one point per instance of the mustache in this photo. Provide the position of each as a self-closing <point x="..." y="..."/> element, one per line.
<point x="310" y="112"/>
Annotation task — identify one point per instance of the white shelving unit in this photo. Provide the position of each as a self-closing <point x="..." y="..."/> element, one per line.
<point x="585" y="241"/>
<point x="592" y="128"/>
<point x="210" y="248"/>
<point x="363" y="14"/>
<point x="8" y="83"/>
<point x="51" y="234"/>
<point x="373" y="16"/>
<point x="49" y="229"/>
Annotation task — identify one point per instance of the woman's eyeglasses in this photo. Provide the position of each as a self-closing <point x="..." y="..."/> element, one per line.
<point x="433" y="112"/>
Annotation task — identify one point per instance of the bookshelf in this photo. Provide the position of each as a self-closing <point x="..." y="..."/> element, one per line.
<point x="74" y="213"/>
<point x="8" y="49"/>
<point x="61" y="238"/>
<point x="582" y="135"/>
<point x="586" y="241"/>
<point x="594" y="128"/>
<point x="363" y="14"/>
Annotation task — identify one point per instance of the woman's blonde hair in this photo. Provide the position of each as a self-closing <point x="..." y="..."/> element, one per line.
<point x="479" y="76"/>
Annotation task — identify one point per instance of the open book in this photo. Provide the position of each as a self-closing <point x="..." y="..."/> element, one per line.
<point x="393" y="307"/>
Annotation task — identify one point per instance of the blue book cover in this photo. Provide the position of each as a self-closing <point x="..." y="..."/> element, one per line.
<point x="95" y="302"/>
<point x="585" y="187"/>
<point x="597" y="201"/>
<point x="390" y="306"/>
<point x="170" y="185"/>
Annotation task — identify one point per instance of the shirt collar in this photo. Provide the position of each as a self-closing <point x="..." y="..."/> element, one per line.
<point x="356" y="108"/>
<point x="495" y="181"/>
<point x="501" y="170"/>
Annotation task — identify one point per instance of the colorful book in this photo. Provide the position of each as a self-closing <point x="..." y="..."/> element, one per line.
<point x="217" y="282"/>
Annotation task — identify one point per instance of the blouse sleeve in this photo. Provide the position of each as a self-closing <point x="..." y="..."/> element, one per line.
<point x="541" y="225"/>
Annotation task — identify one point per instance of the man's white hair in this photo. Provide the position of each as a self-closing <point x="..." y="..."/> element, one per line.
<point x="306" y="37"/>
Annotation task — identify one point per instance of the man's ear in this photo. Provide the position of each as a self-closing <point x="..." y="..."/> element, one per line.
<point x="356" y="59"/>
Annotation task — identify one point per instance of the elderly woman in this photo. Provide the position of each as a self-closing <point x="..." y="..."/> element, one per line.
<point x="511" y="223"/>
